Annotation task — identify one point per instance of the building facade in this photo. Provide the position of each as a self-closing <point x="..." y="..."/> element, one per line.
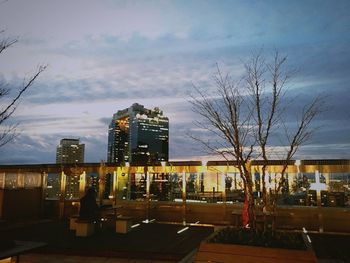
<point x="70" y="151"/>
<point x="139" y="136"/>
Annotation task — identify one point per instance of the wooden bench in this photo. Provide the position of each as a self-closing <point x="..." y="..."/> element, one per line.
<point x="84" y="227"/>
<point x="123" y="224"/>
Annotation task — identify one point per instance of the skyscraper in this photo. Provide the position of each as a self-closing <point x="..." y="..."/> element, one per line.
<point x="138" y="135"/>
<point x="70" y="151"/>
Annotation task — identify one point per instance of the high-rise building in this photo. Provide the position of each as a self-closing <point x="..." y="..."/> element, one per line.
<point x="138" y="135"/>
<point x="70" y="151"/>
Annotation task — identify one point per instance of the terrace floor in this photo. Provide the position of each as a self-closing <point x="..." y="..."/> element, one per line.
<point x="152" y="242"/>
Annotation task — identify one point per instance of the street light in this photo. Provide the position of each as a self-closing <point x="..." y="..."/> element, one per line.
<point x="163" y="163"/>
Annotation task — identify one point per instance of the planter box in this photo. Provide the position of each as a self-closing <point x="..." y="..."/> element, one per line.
<point x="215" y="252"/>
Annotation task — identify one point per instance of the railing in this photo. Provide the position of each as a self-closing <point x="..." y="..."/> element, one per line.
<point x="322" y="183"/>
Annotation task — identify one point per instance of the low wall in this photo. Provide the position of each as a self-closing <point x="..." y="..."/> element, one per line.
<point x="293" y="217"/>
<point x="288" y="217"/>
<point x="20" y="203"/>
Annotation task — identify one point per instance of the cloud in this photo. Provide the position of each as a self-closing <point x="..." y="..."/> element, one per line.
<point x="116" y="53"/>
<point x="41" y="149"/>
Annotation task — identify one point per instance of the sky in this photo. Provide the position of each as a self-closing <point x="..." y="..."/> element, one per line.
<point x="103" y="56"/>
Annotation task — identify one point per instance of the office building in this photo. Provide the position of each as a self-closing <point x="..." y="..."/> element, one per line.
<point x="139" y="136"/>
<point x="70" y="151"/>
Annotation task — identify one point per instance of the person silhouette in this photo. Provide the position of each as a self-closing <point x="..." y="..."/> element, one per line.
<point x="89" y="209"/>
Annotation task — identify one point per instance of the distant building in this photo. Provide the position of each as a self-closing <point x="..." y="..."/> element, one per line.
<point x="139" y="136"/>
<point x="70" y="151"/>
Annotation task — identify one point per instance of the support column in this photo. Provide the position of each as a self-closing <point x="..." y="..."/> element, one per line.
<point x="115" y="185"/>
<point x="318" y="196"/>
<point x="204" y="170"/>
<point x="62" y="195"/>
<point x="101" y="182"/>
<point x="148" y="183"/>
<point x="127" y="166"/>
<point x="82" y="184"/>
<point x="2" y="190"/>
<point x="290" y="182"/>
<point x="43" y="192"/>
<point x="184" y="198"/>
<point x="223" y="186"/>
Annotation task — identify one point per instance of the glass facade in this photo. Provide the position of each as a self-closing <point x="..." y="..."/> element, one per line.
<point x="70" y="151"/>
<point x="139" y="136"/>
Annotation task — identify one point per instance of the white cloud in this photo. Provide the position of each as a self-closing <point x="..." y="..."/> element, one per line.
<point x="106" y="55"/>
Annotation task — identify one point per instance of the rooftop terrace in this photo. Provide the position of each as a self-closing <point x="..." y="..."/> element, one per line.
<point x="173" y="194"/>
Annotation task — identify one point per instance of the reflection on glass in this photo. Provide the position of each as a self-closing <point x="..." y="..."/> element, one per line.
<point x="32" y="180"/>
<point x="11" y="181"/>
<point x="2" y="180"/>
<point x="72" y="186"/>
<point x="92" y="181"/>
<point x="53" y="186"/>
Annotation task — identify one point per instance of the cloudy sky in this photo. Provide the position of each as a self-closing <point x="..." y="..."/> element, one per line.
<point x="106" y="55"/>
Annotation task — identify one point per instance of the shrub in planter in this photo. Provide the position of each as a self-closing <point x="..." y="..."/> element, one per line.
<point x="269" y="238"/>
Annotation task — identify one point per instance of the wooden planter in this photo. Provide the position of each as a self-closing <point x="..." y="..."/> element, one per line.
<point x="214" y="252"/>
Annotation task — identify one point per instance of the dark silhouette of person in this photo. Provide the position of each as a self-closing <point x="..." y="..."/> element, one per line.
<point x="89" y="209"/>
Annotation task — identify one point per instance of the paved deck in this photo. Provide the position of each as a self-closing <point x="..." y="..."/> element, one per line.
<point x="156" y="242"/>
<point x="147" y="243"/>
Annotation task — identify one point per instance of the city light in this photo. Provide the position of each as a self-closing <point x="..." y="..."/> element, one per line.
<point x="308" y="238"/>
<point x="183" y="230"/>
<point x="148" y="221"/>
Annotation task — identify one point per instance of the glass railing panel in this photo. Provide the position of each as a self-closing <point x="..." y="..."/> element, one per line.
<point x="32" y="180"/>
<point x="122" y="187"/>
<point x="2" y="180"/>
<point x="53" y="186"/>
<point x="138" y="186"/>
<point x="234" y="188"/>
<point x="108" y="186"/>
<point x="92" y="180"/>
<point x="72" y="186"/>
<point x="11" y="181"/>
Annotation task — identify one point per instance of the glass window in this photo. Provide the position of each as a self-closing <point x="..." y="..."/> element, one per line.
<point x="32" y="180"/>
<point x="92" y="180"/>
<point x="11" y="180"/>
<point x="53" y="186"/>
<point x="2" y="180"/>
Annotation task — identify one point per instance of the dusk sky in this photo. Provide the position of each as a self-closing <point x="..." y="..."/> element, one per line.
<point x="104" y="56"/>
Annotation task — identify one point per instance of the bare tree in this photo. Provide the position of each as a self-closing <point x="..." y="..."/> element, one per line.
<point x="244" y="117"/>
<point x="9" y="102"/>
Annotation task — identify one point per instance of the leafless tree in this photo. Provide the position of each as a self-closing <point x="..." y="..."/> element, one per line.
<point x="9" y="102"/>
<point x="243" y="117"/>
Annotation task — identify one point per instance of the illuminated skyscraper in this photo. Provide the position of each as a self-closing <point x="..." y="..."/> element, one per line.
<point x="70" y="151"/>
<point x="138" y="135"/>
